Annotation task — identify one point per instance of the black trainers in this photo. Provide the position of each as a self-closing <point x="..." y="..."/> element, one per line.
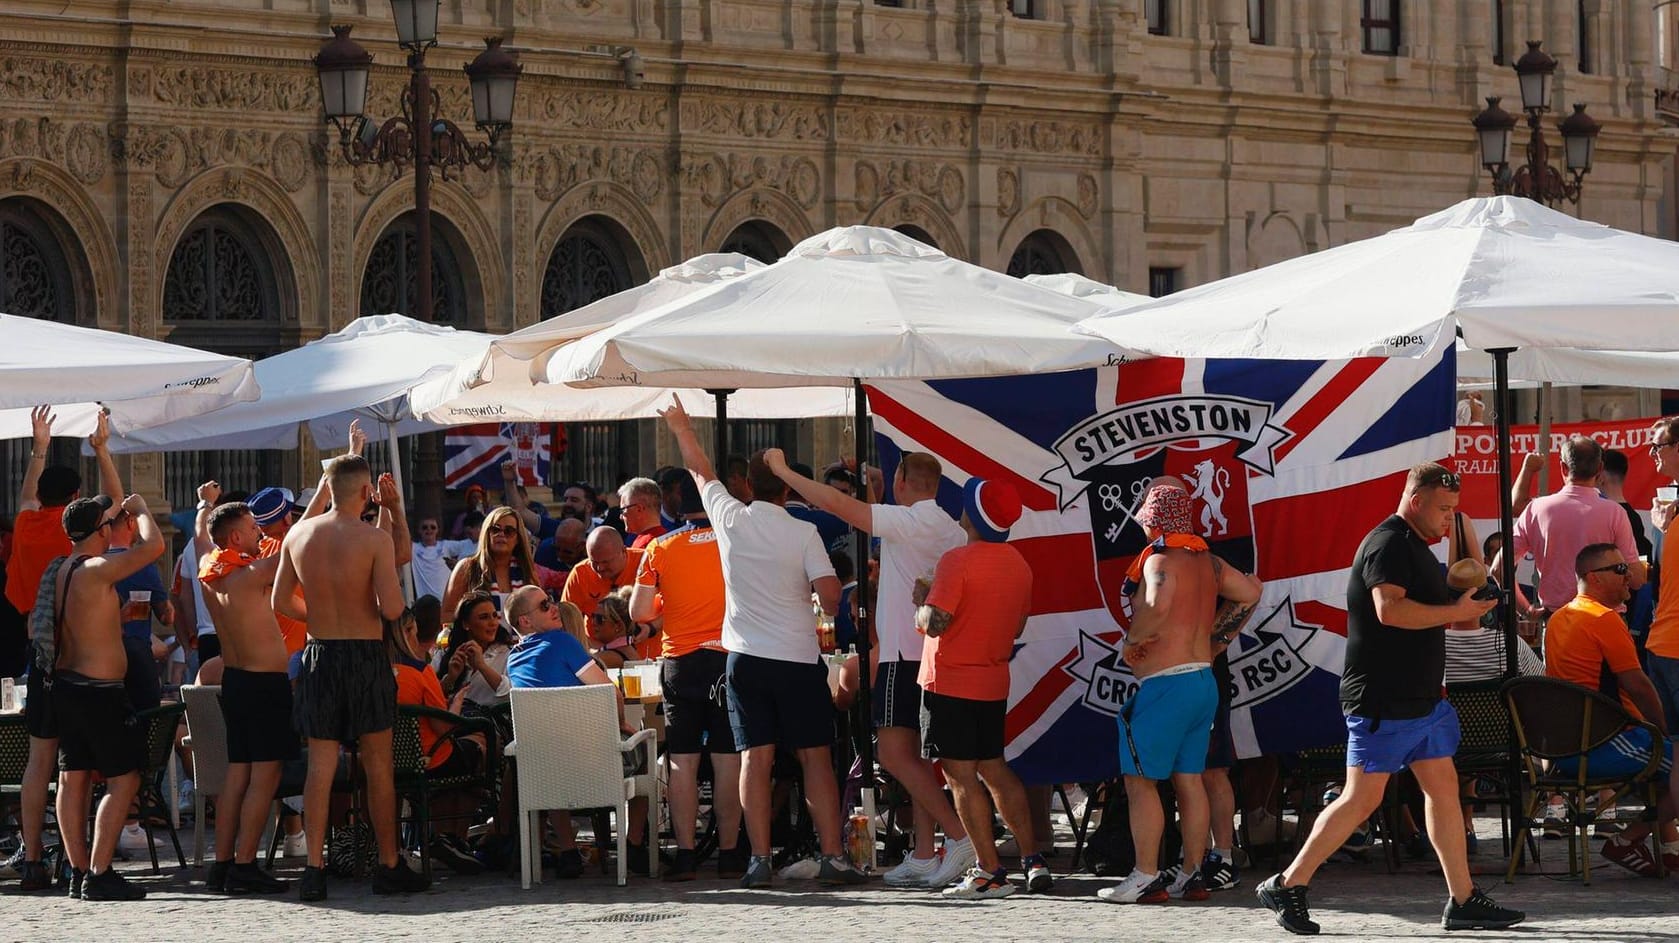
<point x="78" y="879"/>
<point x="215" y="878"/>
<point x="683" y="866"/>
<point x="453" y="856"/>
<point x="313" y="885"/>
<point x="1479" y="913"/>
<point x="839" y="870"/>
<point x="731" y="862"/>
<point x="400" y="879"/>
<point x="35" y="877"/>
<point x="250" y="879"/>
<point x="569" y="864"/>
<point x="760" y="871"/>
<point x="1289" y="904"/>
<point x="110" y="885"/>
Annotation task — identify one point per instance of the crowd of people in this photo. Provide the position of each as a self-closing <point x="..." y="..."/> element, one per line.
<point x="296" y="609"/>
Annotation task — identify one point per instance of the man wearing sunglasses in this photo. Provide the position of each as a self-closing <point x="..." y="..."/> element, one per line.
<point x="1587" y="643"/>
<point x="1398" y="605"/>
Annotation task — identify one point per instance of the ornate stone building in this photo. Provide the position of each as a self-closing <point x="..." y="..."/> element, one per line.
<point x="164" y="168"/>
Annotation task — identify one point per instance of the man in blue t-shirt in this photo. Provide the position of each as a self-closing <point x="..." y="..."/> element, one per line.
<point x="548" y="656"/>
<point x="141" y="596"/>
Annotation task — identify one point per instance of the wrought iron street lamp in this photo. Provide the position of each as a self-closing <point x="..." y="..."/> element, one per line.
<point x="1536" y="179"/>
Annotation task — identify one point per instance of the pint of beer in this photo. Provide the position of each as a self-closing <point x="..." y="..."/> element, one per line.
<point x="138" y="607"/>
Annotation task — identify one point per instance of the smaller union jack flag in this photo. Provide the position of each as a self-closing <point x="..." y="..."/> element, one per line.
<point x="473" y="454"/>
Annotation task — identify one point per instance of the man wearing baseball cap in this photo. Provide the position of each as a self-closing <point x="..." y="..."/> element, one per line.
<point x="1174" y="587"/>
<point x="974" y="610"/>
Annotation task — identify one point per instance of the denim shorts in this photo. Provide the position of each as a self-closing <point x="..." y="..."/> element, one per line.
<point x="1390" y="745"/>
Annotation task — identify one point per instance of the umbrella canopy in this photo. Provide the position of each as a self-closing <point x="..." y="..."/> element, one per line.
<point x="77" y="369"/>
<point x="1648" y="369"/>
<point x="497" y="384"/>
<point x="853" y="302"/>
<point x="1080" y="287"/>
<point x="363" y="371"/>
<point x="1504" y="271"/>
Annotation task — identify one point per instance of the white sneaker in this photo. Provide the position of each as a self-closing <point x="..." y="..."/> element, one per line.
<point x="134" y="839"/>
<point x="958" y="858"/>
<point x="294" y="846"/>
<point x="1138" y="888"/>
<point x="804" y="869"/>
<point x="913" y="872"/>
<point x="183" y="798"/>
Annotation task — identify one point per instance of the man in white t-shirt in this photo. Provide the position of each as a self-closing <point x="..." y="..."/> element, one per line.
<point x="434" y="558"/>
<point x="913" y="534"/>
<point x="777" y="684"/>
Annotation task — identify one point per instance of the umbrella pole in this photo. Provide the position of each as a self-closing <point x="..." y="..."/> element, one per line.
<point x="1507" y="576"/>
<point x="864" y="715"/>
<point x="720" y="435"/>
<point x="407" y="572"/>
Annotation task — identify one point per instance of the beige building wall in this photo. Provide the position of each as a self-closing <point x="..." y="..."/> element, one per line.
<point x="1200" y="150"/>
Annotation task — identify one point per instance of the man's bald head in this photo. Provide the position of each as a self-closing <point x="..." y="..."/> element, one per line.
<point x="606" y="552"/>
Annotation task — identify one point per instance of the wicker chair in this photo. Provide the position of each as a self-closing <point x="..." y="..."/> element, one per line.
<point x="569" y="756"/>
<point x="1557" y="720"/>
<point x="207" y="738"/>
<point x="416" y="782"/>
<point x="158" y="725"/>
<point x="1484" y="747"/>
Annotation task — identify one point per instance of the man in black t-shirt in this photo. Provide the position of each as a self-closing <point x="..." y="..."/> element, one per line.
<point x="1398" y="605"/>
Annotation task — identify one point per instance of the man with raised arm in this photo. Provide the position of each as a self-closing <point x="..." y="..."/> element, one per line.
<point x="256" y="694"/>
<point x="82" y="645"/>
<point x="345" y="689"/>
<point x="914" y="533"/>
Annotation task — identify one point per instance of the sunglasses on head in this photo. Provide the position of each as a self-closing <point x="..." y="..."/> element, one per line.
<point x="1619" y="569"/>
<point x="1445" y="479"/>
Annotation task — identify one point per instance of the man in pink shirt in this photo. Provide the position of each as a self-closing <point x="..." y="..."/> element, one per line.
<point x="1555" y="527"/>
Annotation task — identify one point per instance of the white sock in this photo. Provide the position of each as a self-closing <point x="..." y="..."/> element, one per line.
<point x="1222" y="853"/>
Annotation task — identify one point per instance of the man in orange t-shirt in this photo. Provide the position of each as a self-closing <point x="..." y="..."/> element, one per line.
<point x="1587" y="643"/>
<point x="1662" y="642"/>
<point x="608" y="566"/>
<point x="972" y="614"/>
<point x="680" y="583"/>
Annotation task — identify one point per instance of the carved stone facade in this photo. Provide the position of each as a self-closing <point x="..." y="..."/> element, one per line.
<point x="1212" y="150"/>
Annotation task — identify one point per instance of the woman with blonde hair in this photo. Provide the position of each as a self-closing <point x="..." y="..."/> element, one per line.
<point x="503" y="563"/>
<point x="612" y="632"/>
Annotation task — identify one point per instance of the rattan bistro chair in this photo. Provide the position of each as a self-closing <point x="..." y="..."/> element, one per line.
<point x="207" y="738"/>
<point x="568" y="755"/>
<point x="1556" y="720"/>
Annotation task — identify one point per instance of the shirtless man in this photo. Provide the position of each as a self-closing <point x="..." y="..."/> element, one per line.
<point x="96" y="728"/>
<point x="256" y="694"/>
<point x="345" y="689"/>
<point x="1174" y="587"/>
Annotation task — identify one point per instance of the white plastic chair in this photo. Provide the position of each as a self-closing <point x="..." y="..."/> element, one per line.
<point x="207" y="738"/>
<point x="569" y="756"/>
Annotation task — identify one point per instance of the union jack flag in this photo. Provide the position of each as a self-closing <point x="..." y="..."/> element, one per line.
<point x="473" y="454"/>
<point x="1290" y="464"/>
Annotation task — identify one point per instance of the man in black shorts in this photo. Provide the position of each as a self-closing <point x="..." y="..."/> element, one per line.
<point x="1398" y="605"/>
<point x="345" y="690"/>
<point x="96" y="726"/>
<point x="256" y="694"/>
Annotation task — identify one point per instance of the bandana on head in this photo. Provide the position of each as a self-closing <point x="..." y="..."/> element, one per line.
<point x="220" y="562"/>
<point x="1166" y="509"/>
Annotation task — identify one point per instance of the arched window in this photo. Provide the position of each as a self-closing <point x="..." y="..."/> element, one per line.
<point x="918" y="234"/>
<point x="1043" y="253"/>
<point x="587" y="264"/>
<point x="387" y="286"/>
<point x="221" y="271"/>
<point x="35" y="275"/>
<point x="758" y="240"/>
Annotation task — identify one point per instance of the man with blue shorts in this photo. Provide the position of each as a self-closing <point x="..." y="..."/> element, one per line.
<point x="1174" y="586"/>
<point x="1398" y="605"/>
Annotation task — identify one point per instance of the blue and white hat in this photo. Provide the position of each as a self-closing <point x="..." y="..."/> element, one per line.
<point x="269" y="505"/>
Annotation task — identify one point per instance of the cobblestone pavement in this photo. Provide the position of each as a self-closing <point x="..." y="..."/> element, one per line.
<point x="1357" y="901"/>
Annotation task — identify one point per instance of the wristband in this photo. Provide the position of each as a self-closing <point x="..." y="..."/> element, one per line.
<point x="204" y="505"/>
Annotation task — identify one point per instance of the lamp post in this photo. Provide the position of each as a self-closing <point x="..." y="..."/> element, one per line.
<point x="1536" y="179"/>
<point x="420" y="138"/>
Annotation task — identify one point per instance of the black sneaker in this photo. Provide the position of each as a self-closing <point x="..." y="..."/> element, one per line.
<point x="250" y="879"/>
<point x="400" y="879"/>
<point x="454" y="857"/>
<point x="569" y="864"/>
<point x="110" y="885"/>
<point x="683" y="866"/>
<point x="635" y="858"/>
<point x="731" y="862"/>
<point x="78" y="879"/>
<point x="215" y="879"/>
<point x="839" y="870"/>
<point x="1219" y="874"/>
<point x="760" y="871"/>
<point x="1289" y="904"/>
<point x="35" y="877"/>
<point x="1479" y="913"/>
<point x="313" y="885"/>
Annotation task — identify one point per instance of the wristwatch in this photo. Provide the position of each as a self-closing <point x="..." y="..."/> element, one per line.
<point x="204" y="505"/>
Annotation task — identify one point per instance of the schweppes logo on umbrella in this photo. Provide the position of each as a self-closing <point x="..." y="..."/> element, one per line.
<point x="1118" y="435"/>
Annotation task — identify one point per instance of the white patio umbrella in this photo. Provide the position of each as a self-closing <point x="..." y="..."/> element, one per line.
<point x="498" y="384"/>
<point x="1508" y="275"/>
<point x="851" y="304"/>
<point x="78" y="370"/>
<point x="1081" y="287"/>
<point x="363" y="371"/>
